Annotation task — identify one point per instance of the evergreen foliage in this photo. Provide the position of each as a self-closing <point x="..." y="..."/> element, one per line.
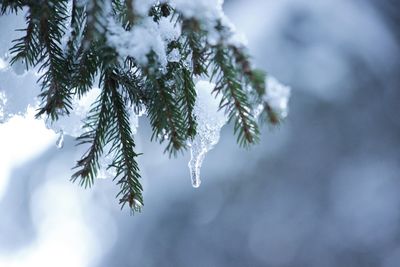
<point x="168" y="94"/>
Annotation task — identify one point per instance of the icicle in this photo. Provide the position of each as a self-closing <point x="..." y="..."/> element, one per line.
<point x="209" y="123"/>
<point x="60" y="140"/>
<point x="202" y="143"/>
<point x="197" y="157"/>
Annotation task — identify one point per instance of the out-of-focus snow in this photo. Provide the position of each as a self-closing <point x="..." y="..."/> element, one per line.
<point x="314" y="40"/>
<point x="148" y="36"/>
<point x="21" y="139"/>
<point x="139" y="42"/>
<point x="72" y="124"/>
<point x="277" y="96"/>
<point x="203" y="10"/>
<point x="174" y="55"/>
<point x="17" y="91"/>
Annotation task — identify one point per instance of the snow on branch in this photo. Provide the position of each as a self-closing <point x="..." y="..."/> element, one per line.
<point x="102" y="64"/>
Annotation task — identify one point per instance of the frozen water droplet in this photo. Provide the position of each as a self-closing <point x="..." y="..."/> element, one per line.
<point x="60" y="140"/>
<point x="196" y="183"/>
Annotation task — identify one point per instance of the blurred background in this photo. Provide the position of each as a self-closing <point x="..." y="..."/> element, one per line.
<point x="321" y="190"/>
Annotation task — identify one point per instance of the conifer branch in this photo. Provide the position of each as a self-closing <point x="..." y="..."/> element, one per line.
<point x="127" y="171"/>
<point x="11" y="6"/>
<point x="137" y="74"/>
<point x="28" y="48"/>
<point x="77" y="20"/>
<point x="55" y="91"/>
<point x="96" y="126"/>
<point x="187" y="98"/>
<point x="253" y="77"/>
<point x="132" y="84"/>
<point x="95" y="23"/>
<point x="124" y="13"/>
<point x="195" y="41"/>
<point x="234" y="97"/>
<point x="165" y="117"/>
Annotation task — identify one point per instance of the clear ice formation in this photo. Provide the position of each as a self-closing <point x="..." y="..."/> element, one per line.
<point x="60" y="140"/>
<point x="209" y="123"/>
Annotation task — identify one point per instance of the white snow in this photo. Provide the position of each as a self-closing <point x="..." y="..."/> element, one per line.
<point x="277" y="96"/>
<point x="104" y="161"/>
<point x="169" y="29"/>
<point x="3" y="64"/>
<point x="22" y="138"/>
<point x="147" y="36"/>
<point x="174" y="55"/>
<point x="142" y="7"/>
<point x="17" y="92"/>
<point x="19" y="89"/>
<point x="72" y="124"/>
<point x="209" y="123"/>
<point x="139" y="41"/>
<point x="3" y="101"/>
<point x="134" y="119"/>
<point x="203" y="10"/>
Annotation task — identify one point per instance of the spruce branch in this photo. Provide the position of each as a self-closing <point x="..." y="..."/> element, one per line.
<point x="195" y="41"/>
<point x="77" y="20"/>
<point x="12" y="6"/>
<point x="123" y="11"/>
<point x="234" y="97"/>
<point x="253" y="77"/>
<point x="132" y="84"/>
<point x="256" y="79"/>
<point x="165" y="116"/>
<point x="187" y="98"/>
<point x="42" y="45"/>
<point x="96" y="127"/>
<point x="156" y="73"/>
<point x="28" y="48"/>
<point x="55" y="91"/>
<point x="127" y="171"/>
<point x="95" y="24"/>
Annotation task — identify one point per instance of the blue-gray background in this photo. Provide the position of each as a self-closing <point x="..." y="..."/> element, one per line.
<point x="321" y="190"/>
